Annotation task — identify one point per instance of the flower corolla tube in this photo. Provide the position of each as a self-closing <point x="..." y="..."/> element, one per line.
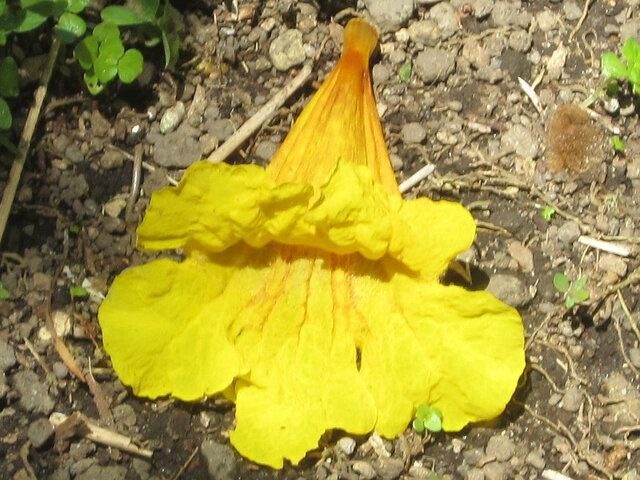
<point x="309" y="294"/>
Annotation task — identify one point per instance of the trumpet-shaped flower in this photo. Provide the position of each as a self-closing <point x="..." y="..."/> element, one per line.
<point x="310" y="292"/>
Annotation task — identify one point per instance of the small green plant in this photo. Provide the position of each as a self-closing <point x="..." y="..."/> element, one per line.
<point x="103" y="56"/>
<point x="613" y="68"/>
<point x="78" y="292"/>
<point x="574" y="292"/>
<point x="155" y="23"/>
<point x="405" y="73"/>
<point x="4" y="293"/>
<point x="617" y="144"/>
<point x="427" y="418"/>
<point x="547" y="213"/>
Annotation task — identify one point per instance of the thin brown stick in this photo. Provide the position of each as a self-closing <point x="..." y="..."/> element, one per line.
<point x="627" y="313"/>
<point x="585" y="10"/>
<point x="97" y="434"/>
<point x="25" y="140"/>
<point x="623" y="349"/>
<point x="24" y="455"/>
<point x="186" y="464"/>
<point x="260" y="117"/>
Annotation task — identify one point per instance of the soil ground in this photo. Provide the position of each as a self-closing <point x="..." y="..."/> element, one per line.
<point x="577" y="410"/>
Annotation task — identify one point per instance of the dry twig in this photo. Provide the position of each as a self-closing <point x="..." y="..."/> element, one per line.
<point x="79" y="424"/>
<point x="25" y="140"/>
<point x="260" y="117"/>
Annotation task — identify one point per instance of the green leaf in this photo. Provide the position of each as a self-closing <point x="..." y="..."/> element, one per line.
<point x="130" y="65"/>
<point x="147" y="9"/>
<point x="434" y="422"/>
<point x="3" y="6"/>
<point x="86" y="52"/>
<point x="617" y="144"/>
<point x="579" y="283"/>
<point x="93" y="84"/>
<point x="78" y="291"/>
<point x="423" y="411"/>
<point x="29" y="20"/>
<point x="9" y="77"/>
<point x="418" y="425"/>
<point x="405" y="73"/>
<point x="76" y="6"/>
<point x="631" y="51"/>
<point x="612" y="67"/>
<point x="74" y="229"/>
<point x="547" y="213"/>
<point x="171" y="45"/>
<point x="4" y="293"/>
<point x="110" y="51"/>
<point x="120" y="16"/>
<point x="105" y="70"/>
<point x="569" y="302"/>
<point x="70" y="27"/>
<point x="5" y="115"/>
<point x="561" y="282"/>
<point x="580" y="295"/>
<point x="106" y="30"/>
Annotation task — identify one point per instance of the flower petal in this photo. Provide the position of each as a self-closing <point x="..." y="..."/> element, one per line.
<point x="159" y="325"/>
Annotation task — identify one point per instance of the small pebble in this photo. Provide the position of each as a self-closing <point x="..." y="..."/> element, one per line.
<point x="634" y="356"/>
<point x="612" y="264"/>
<point x="535" y="459"/>
<point x="40" y="432"/>
<point x="60" y="370"/>
<point x="287" y="50"/>
<point x="347" y="445"/>
<point x="500" y="446"/>
<point x="494" y="471"/>
<point x="364" y="469"/>
<point x="572" y="399"/>
<point x="509" y="289"/>
<point x="569" y="232"/>
<point x="172" y="118"/>
<point x="413" y="133"/>
<point x="7" y="356"/>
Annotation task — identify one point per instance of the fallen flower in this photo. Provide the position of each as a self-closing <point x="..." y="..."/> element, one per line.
<point x="310" y="292"/>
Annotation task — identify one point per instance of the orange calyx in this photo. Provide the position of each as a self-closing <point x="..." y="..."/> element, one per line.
<point x="340" y="122"/>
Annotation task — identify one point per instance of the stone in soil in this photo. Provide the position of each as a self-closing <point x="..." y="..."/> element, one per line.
<point x="7" y="356"/>
<point x="434" y="64"/>
<point x="220" y="459"/>
<point x="509" y="289"/>
<point x="413" y="132"/>
<point x="176" y="149"/>
<point x="501" y="447"/>
<point x="363" y="469"/>
<point x="389" y="468"/>
<point x="287" y="50"/>
<point x="522" y="140"/>
<point x="494" y="471"/>
<point x="40" y="432"/>
<point x="172" y="118"/>
<point x="569" y="232"/>
<point x="390" y="15"/>
<point x="445" y="15"/>
<point x="536" y="460"/>
<point x="612" y="264"/>
<point x="424" y="32"/>
<point x="34" y="395"/>
<point x="572" y="399"/>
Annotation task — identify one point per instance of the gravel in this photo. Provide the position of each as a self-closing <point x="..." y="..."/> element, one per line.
<point x="220" y="459"/>
<point x="434" y="64"/>
<point x="40" y="432"/>
<point x="500" y="446"/>
<point x="390" y="15"/>
<point x="509" y="289"/>
<point x="34" y="395"/>
<point x="287" y="50"/>
<point x="7" y="356"/>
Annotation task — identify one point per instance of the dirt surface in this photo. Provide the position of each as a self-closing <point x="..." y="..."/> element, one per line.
<point x="577" y="410"/>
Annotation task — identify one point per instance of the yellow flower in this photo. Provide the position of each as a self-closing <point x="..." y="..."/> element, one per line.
<point x="310" y="292"/>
